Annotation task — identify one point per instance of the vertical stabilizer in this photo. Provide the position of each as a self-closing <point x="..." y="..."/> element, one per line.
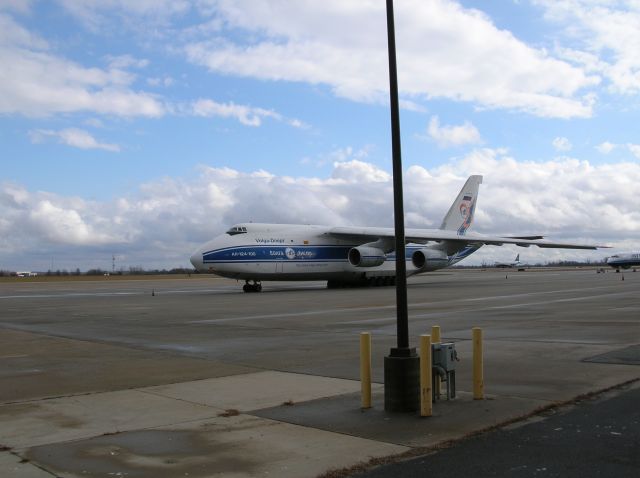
<point x="460" y="215"/>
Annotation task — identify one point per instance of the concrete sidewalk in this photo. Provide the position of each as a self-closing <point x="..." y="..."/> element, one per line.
<point x="198" y="428"/>
<point x="257" y="424"/>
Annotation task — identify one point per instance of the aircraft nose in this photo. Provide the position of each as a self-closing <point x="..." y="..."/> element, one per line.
<point x="196" y="259"/>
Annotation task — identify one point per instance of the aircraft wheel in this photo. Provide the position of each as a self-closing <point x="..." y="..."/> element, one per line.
<point x="255" y="287"/>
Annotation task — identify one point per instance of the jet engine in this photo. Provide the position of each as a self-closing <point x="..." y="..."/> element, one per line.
<point x="366" y="256"/>
<point x="428" y="259"/>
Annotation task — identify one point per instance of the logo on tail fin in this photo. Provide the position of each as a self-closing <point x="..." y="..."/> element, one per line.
<point x="466" y="211"/>
<point x="464" y="206"/>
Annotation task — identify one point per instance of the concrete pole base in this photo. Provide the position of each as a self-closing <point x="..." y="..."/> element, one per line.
<point x="402" y="380"/>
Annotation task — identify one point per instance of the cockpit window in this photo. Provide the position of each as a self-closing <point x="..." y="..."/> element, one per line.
<point x="237" y="230"/>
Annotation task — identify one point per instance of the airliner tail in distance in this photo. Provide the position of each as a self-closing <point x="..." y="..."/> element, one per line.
<point x="515" y="263"/>
<point x="348" y="255"/>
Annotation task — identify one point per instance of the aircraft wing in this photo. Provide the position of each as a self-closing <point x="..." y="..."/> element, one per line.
<point x="422" y="236"/>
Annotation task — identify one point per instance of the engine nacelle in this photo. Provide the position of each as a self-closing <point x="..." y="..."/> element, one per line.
<point x="429" y="259"/>
<point x="366" y="256"/>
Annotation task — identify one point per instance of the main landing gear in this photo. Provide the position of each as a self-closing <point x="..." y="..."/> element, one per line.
<point x="252" y="286"/>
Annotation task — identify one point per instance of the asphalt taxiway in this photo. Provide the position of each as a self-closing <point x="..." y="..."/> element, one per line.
<point x="191" y="376"/>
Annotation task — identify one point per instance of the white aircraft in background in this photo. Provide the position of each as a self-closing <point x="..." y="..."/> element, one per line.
<point x="515" y="263"/>
<point x="350" y="255"/>
<point x="624" y="261"/>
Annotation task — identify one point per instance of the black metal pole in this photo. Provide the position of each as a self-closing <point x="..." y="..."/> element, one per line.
<point x="398" y="201"/>
<point x="402" y="365"/>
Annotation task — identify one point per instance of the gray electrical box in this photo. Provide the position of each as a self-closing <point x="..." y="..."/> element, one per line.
<point x="444" y="356"/>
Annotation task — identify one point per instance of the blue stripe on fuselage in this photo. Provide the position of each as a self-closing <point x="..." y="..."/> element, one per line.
<point x="292" y="253"/>
<point x="270" y="253"/>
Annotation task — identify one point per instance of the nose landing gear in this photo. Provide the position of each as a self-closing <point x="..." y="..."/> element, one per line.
<point x="252" y="286"/>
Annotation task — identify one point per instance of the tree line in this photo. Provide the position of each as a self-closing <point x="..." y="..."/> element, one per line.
<point x="103" y="272"/>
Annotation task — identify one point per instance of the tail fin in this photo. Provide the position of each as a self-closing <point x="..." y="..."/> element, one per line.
<point x="518" y="258"/>
<point x="460" y="215"/>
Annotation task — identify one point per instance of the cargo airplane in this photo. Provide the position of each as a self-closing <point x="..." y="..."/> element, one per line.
<point x="346" y="256"/>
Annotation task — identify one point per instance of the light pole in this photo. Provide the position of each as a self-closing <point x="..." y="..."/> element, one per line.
<point x="402" y="365"/>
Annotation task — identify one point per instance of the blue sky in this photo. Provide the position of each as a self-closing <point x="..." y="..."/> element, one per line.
<point x="139" y="129"/>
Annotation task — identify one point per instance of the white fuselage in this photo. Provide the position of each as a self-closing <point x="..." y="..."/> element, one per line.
<point x="298" y="252"/>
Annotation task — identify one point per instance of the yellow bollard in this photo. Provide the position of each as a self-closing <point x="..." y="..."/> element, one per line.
<point x="478" y="374"/>
<point x="435" y="334"/>
<point x="365" y="369"/>
<point x="435" y="339"/>
<point x="426" y="404"/>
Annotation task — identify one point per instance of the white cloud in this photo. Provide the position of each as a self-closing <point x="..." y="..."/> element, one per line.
<point x="565" y="199"/>
<point x="61" y="225"/>
<point x="164" y="81"/>
<point x="339" y="155"/>
<point x="635" y="149"/>
<point x="609" y="34"/>
<point x="94" y="14"/>
<point x="77" y="138"/>
<point x="298" y="124"/>
<point x="20" y="6"/>
<point x="468" y="58"/>
<point x="562" y="144"/>
<point x="606" y="147"/>
<point x="355" y="171"/>
<point x="444" y="51"/>
<point x="247" y="115"/>
<point x="38" y="223"/>
<point x="36" y="83"/>
<point x="446" y="136"/>
<point x="126" y="61"/>
<point x="94" y="122"/>
<point x="13" y="34"/>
